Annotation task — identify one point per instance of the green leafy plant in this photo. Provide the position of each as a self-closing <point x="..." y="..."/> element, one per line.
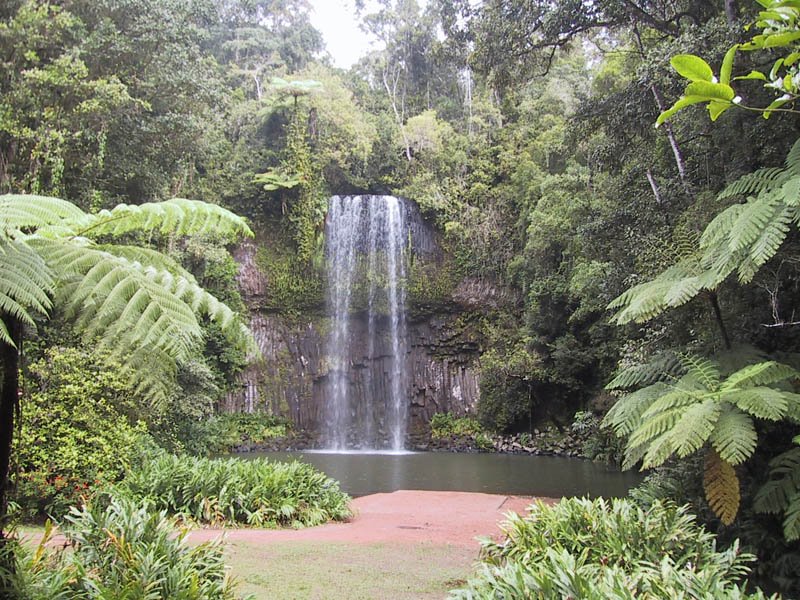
<point x="703" y="409"/>
<point x="78" y="433"/>
<point x="257" y="492"/>
<point x="120" y="549"/>
<point x="741" y="239"/>
<point x="581" y="548"/>
<point x="222" y="433"/>
<point x="132" y="302"/>
<point x="781" y="494"/>
<point x="779" y="24"/>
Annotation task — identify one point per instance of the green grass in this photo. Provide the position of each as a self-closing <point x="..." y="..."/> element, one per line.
<point x="334" y="570"/>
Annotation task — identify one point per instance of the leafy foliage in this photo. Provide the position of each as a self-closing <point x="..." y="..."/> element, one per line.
<point x="120" y="549"/>
<point x="781" y="494"/>
<point x="79" y="431"/>
<point x="257" y="492"/>
<point x="597" y="549"/>
<point x="703" y="407"/>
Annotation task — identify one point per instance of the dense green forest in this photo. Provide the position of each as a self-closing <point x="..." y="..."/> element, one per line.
<point x="651" y="269"/>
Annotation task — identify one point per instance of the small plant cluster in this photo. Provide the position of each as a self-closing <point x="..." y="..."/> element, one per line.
<point x="225" y="432"/>
<point x="445" y="426"/>
<point x="118" y="549"/>
<point x="582" y="548"/>
<point x="258" y="492"/>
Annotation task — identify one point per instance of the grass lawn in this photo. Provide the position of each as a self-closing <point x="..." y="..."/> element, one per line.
<point x="337" y="571"/>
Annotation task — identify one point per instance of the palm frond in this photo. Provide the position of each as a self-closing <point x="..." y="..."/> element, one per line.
<point x="147" y="257"/>
<point x="703" y="370"/>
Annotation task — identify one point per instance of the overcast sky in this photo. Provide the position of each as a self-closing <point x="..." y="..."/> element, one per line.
<point x="336" y="19"/>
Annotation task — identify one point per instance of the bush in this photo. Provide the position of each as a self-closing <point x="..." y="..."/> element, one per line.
<point x="223" y="433"/>
<point x="597" y="549"/>
<point x="77" y="432"/>
<point x="120" y="549"/>
<point x="445" y="425"/>
<point x="257" y="492"/>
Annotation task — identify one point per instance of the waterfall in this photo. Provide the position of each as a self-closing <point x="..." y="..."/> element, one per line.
<point x="365" y="240"/>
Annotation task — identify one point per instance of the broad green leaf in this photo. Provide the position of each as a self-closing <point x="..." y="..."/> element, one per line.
<point x="753" y="75"/>
<point x="711" y="91"/>
<point x="682" y="102"/>
<point x="776" y="104"/>
<point x="716" y="108"/>
<point x="727" y="65"/>
<point x="692" y="67"/>
<point x="776" y="40"/>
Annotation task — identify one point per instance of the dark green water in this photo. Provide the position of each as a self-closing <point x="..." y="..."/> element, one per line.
<point x="363" y="473"/>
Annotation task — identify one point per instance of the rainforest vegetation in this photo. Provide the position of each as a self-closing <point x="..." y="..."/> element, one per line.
<point x="653" y="272"/>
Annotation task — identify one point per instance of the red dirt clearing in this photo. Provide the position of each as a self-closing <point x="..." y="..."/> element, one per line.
<point x="455" y="518"/>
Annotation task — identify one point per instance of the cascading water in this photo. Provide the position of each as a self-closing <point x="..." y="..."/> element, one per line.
<point x="365" y="239"/>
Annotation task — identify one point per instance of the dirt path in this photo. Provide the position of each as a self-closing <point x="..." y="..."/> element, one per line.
<point x="454" y="518"/>
<point x="406" y="545"/>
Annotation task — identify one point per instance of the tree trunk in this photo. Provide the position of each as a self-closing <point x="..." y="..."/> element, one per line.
<point x="9" y="357"/>
<point x="712" y="298"/>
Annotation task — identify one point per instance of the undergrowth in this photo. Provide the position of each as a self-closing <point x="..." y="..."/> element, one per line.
<point x="597" y="549"/>
<point x="257" y="492"/>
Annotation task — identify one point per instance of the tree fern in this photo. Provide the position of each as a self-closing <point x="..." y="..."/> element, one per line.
<point x="663" y="366"/>
<point x="703" y="408"/>
<point x="741" y="239"/>
<point x="781" y="494"/>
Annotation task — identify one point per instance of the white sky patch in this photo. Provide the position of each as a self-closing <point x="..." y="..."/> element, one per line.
<point x="337" y="21"/>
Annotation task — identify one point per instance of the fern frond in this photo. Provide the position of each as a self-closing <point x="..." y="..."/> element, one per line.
<point x="701" y="369"/>
<point x="762" y="402"/>
<point x="674" y="399"/>
<point x="721" y="486"/>
<point x="626" y="414"/>
<point x="695" y="426"/>
<point x="734" y="437"/>
<point x="756" y="215"/>
<point x="762" y="373"/>
<point x="655" y="426"/>
<point x="775" y="495"/>
<point x="663" y="366"/>
<point x="782" y="492"/>
<point x="658" y="451"/>
<point x="147" y="257"/>
<point x="26" y="284"/>
<point x="177" y="216"/>
<point x="793" y="159"/>
<point x="718" y="230"/>
<point x="26" y="212"/>
<point x="755" y="183"/>
<point x="769" y="239"/>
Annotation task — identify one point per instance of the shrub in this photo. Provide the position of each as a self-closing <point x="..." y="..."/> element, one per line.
<point x="77" y="432"/>
<point x="223" y="433"/>
<point x="119" y="549"/>
<point x="256" y="492"/>
<point x="445" y="425"/>
<point x="597" y="549"/>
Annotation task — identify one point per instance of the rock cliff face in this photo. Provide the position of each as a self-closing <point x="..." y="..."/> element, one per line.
<point x="442" y="350"/>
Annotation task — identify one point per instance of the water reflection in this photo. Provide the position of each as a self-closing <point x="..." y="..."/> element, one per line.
<point x="362" y="473"/>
